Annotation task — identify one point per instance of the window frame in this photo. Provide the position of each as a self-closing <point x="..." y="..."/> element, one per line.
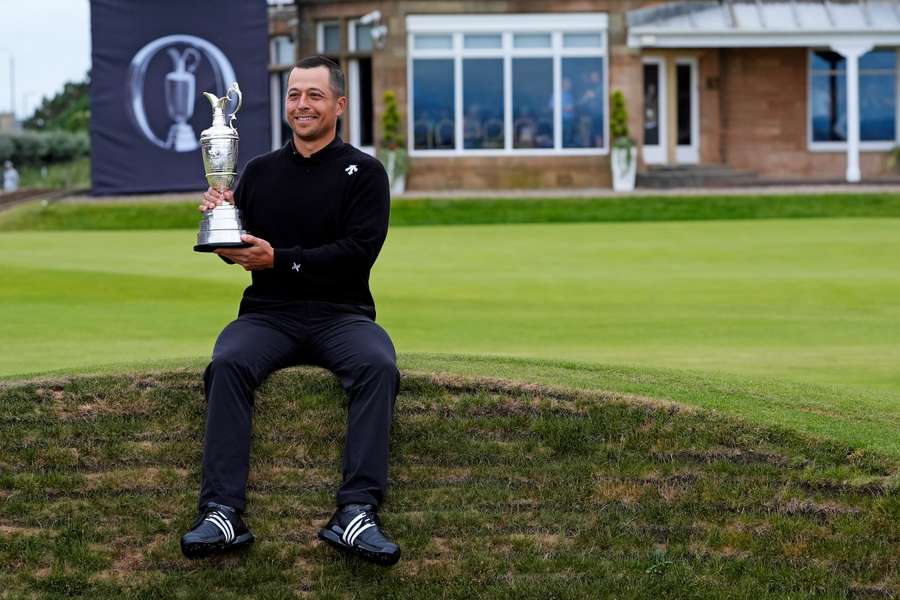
<point x="320" y="36"/>
<point x="273" y="44"/>
<point x="864" y="146"/>
<point x="457" y="26"/>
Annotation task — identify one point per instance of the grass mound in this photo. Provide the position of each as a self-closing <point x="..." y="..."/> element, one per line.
<point x="496" y="490"/>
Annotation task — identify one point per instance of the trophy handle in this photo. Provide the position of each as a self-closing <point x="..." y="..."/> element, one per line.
<point x="234" y="89"/>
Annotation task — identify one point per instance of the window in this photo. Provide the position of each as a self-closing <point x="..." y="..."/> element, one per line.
<point x="329" y="37"/>
<point x="434" y="115"/>
<point x="361" y="36"/>
<point x="483" y="99"/>
<point x="532" y="102"/>
<point x="582" y="103"/>
<point x="281" y="50"/>
<point x="508" y="84"/>
<point x="877" y="98"/>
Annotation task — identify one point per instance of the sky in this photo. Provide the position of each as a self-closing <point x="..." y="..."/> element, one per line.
<point x="50" y="41"/>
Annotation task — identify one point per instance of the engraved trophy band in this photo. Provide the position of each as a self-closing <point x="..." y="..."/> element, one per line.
<point x="221" y="227"/>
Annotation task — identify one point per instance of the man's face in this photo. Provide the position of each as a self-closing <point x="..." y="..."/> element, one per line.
<point x="311" y="106"/>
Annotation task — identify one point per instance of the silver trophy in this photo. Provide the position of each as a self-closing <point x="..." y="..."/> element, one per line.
<point x="221" y="227"/>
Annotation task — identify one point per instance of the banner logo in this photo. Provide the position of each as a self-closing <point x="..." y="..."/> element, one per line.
<point x="187" y="53"/>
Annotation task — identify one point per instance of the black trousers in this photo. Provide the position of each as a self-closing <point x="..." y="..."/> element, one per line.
<point x="341" y="338"/>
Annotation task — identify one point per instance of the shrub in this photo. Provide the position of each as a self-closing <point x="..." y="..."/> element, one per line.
<point x="41" y="147"/>
<point x="390" y="122"/>
<point x="618" y="116"/>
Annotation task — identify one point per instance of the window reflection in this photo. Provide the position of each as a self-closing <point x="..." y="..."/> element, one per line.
<point x="532" y="102"/>
<point x="877" y="96"/>
<point x="483" y="103"/>
<point x="582" y="102"/>
<point x="433" y="104"/>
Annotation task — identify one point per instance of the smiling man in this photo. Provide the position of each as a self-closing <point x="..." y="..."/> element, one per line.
<point x="318" y="211"/>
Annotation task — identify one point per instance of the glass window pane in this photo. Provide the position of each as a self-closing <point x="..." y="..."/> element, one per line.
<point x="433" y="104"/>
<point x="879" y="59"/>
<point x="282" y="50"/>
<point x="582" y="102"/>
<point x="331" y="37"/>
<point x="651" y="105"/>
<point x="532" y="102"/>
<point x="531" y="40"/>
<point x="826" y="60"/>
<point x="489" y="40"/>
<point x="829" y="108"/>
<point x="582" y="40"/>
<point x="363" y="38"/>
<point x="483" y="103"/>
<point x="433" y="41"/>
<point x="877" y="107"/>
<point x="683" y="113"/>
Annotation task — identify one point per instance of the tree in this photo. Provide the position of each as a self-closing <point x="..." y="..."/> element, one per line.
<point x="68" y="110"/>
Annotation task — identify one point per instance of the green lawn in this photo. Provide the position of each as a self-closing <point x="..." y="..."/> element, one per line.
<point x="546" y="438"/>
<point x="179" y="211"/>
<point x="802" y="300"/>
<point x="808" y="301"/>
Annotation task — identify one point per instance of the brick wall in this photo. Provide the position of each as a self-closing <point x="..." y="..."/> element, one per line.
<point x="766" y="120"/>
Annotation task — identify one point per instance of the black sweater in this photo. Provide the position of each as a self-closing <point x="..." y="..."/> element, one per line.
<point x="326" y="216"/>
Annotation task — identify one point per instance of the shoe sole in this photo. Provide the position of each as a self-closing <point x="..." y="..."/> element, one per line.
<point x="332" y="539"/>
<point x="198" y="550"/>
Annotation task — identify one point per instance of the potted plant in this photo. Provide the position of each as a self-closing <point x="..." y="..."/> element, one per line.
<point x="392" y="153"/>
<point x="623" y="158"/>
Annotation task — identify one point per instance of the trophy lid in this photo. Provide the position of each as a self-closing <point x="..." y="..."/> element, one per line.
<point x="219" y="127"/>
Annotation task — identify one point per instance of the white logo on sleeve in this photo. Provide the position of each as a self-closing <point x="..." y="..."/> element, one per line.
<point x="296" y="267"/>
<point x="351" y="169"/>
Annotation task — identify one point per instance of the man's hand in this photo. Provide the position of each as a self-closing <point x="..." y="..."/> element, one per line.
<point x="213" y="198"/>
<point x="257" y="257"/>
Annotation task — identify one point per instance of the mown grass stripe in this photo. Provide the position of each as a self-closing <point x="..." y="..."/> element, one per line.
<point x="144" y="215"/>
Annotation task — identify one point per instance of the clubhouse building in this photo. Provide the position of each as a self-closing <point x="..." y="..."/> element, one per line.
<point x="505" y="94"/>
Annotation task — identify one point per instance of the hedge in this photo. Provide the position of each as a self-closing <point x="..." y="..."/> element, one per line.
<point x="41" y="147"/>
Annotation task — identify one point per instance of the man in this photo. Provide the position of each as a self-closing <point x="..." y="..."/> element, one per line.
<point x="318" y="211"/>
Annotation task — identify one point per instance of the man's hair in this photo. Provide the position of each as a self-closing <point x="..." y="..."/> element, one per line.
<point x="335" y="75"/>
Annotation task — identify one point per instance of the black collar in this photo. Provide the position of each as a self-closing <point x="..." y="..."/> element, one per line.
<point x="331" y="150"/>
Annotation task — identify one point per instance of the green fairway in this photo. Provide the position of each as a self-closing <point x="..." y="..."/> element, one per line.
<point x="808" y="301"/>
<point x="802" y="300"/>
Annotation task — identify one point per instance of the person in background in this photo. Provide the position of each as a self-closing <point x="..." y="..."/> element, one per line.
<point x="10" y="177"/>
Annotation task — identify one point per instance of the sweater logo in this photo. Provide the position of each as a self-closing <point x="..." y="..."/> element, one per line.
<point x="351" y="169"/>
<point x="296" y="267"/>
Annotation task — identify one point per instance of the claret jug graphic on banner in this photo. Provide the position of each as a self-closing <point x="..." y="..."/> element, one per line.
<point x="152" y="61"/>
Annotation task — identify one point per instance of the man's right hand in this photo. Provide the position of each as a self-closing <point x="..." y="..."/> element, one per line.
<point x="213" y="198"/>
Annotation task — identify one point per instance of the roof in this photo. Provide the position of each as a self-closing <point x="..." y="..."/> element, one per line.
<point x="743" y="23"/>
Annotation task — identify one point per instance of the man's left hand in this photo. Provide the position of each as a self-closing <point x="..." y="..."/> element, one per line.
<point x="258" y="256"/>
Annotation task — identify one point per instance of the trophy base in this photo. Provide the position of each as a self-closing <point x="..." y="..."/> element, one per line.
<point x="212" y="246"/>
<point x="221" y="228"/>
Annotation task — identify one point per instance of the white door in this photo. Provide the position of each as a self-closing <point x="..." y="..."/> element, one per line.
<point x="687" y="111"/>
<point x="654" y="142"/>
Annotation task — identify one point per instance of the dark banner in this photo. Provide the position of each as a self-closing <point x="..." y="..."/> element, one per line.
<point x="152" y="61"/>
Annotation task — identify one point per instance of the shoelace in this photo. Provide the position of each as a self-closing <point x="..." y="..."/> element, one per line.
<point x="356" y="526"/>
<point x="219" y="519"/>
